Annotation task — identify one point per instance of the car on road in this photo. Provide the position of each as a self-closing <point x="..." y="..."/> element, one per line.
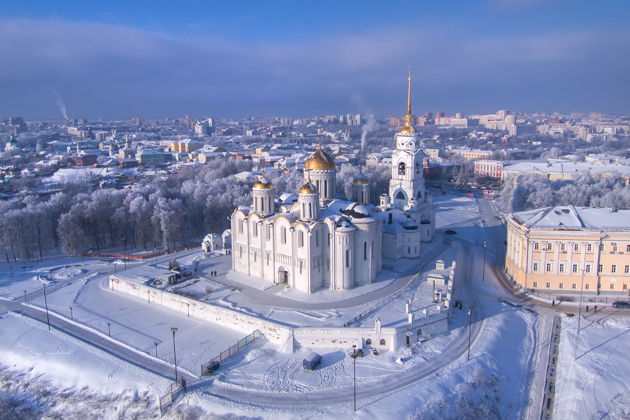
<point x="621" y="304"/>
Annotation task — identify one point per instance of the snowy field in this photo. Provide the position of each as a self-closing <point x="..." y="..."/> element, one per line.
<point x="139" y="324"/>
<point x="597" y="383"/>
<point x="51" y="374"/>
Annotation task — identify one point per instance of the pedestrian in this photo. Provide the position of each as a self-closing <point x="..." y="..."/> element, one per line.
<point x="595" y="308"/>
<point x="184" y="384"/>
<point x="553" y="302"/>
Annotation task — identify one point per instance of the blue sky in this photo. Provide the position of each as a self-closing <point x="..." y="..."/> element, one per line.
<point x="165" y="58"/>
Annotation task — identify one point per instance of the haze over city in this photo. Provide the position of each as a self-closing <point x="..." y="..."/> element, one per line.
<point x="155" y="59"/>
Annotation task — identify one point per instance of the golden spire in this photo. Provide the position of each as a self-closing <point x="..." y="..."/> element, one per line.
<point x="408" y="127"/>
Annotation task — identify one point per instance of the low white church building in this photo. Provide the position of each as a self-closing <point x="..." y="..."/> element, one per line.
<point x="322" y="241"/>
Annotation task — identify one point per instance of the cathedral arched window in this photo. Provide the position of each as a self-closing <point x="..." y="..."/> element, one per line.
<point x="401" y="168"/>
<point x="400" y="195"/>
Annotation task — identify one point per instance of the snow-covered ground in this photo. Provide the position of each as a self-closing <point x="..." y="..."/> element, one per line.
<point x="137" y="323"/>
<point x="51" y="374"/>
<point x="594" y="382"/>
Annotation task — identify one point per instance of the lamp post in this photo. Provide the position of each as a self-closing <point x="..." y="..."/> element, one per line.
<point x="109" y="329"/>
<point x="577" y="333"/>
<point x="24" y="295"/>
<point x="354" y="378"/>
<point x="483" y="274"/>
<point x="470" y="310"/>
<point x="124" y="241"/>
<point x="155" y="343"/>
<point x="46" y="303"/>
<point x="71" y="316"/>
<point x="188" y="309"/>
<point x="174" y="352"/>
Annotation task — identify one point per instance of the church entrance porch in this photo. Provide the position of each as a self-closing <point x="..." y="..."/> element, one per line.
<point x="283" y="276"/>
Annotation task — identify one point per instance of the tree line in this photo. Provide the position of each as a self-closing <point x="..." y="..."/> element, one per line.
<point x="526" y="192"/>
<point x="156" y="213"/>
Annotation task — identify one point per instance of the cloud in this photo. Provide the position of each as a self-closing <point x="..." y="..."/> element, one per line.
<point x="117" y="71"/>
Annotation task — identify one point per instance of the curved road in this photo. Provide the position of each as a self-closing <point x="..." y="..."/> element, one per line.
<point x="382" y="386"/>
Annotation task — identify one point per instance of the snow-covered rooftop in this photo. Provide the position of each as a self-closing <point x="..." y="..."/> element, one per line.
<point x="575" y="218"/>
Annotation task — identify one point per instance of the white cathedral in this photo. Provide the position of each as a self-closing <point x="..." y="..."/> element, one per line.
<point x="321" y="241"/>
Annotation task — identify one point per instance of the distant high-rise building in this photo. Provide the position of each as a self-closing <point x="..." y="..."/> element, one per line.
<point x="204" y="127"/>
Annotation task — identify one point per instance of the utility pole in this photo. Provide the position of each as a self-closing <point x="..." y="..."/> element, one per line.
<point x="470" y="310"/>
<point x="174" y="352"/>
<point x="46" y="303"/>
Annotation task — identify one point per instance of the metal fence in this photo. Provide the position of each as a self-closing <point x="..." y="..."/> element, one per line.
<point x="174" y="391"/>
<point x="231" y="351"/>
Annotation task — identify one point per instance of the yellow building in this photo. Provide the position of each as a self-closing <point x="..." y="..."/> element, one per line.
<point x="184" y="146"/>
<point x="560" y="248"/>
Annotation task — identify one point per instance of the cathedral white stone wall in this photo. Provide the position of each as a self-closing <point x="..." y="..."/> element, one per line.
<point x="320" y="241"/>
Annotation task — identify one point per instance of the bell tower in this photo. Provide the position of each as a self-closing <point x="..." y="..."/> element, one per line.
<point x="406" y="186"/>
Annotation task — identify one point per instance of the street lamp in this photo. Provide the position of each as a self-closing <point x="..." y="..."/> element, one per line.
<point x="188" y="309"/>
<point x="156" y="343"/>
<point x="124" y="241"/>
<point x="109" y="330"/>
<point x="71" y="316"/>
<point x="174" y="352"/>
<point x="577" y="333"/>
<point x="470" y="310"/>
<point x="354" y="375"/>
<point x="46" y="303"/>
<point x="483" y="274"/>
<point x="24" y="295"/>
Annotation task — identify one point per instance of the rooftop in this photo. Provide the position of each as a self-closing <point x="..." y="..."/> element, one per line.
<point x="575" y="218"/>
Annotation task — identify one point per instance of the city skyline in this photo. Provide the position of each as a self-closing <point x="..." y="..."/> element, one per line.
<point x="251" y="60"/>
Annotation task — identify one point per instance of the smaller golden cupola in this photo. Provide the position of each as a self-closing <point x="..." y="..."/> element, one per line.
<point x="262" y="183"/>
<point x="308" y="188"/>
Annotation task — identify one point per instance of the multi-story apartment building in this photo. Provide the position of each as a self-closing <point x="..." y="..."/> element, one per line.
<point x="562" y="248"/>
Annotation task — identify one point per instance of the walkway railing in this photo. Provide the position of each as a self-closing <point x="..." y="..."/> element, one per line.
<point x="174" y="391"/>
<point x="230" y="351"/>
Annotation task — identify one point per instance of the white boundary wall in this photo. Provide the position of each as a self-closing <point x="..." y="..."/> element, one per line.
<point x="273" y="331"/>
<point x="285" y="336"/>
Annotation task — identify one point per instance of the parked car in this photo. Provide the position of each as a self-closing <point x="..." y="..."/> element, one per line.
<point x="213" y="366"/>
<point x="621" y="304"/>
<point x="312" y="361"/>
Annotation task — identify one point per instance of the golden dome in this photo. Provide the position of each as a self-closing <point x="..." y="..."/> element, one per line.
<point x="262" y="184"/>
<point x="308" y="188"/>
<point x="407" y="129"/>
<point x="360" y="179"/>
<point x="320" y="161"/>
